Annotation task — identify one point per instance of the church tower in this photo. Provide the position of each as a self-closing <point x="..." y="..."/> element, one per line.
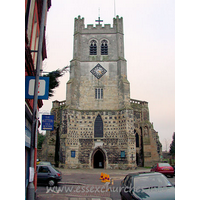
<point x="98" y="74"/>
<point x="100" y="129"/>
<point x="98" y="125"/>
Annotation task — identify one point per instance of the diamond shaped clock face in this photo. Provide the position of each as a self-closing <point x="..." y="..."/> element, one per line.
<point x="98" y="71"/>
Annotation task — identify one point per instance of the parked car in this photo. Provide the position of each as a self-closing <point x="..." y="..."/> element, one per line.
<point x="151" y="185"/>
<point x="38" y="161"/>
<point x="44" y="163"/>
<point x="164" y="168"/>
<point x="47" y="174"/>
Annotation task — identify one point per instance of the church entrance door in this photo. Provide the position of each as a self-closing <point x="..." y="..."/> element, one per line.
<point x="98" y="159"/>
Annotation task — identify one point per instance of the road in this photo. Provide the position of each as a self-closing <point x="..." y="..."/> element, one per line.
<point x="84" y="184"/>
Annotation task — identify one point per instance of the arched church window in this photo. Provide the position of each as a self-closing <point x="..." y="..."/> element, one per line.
<point x="104" y="47"/>
<point x="93" y="47"/>
<point x="137" y="140"/>
<point x="98" y="127"/>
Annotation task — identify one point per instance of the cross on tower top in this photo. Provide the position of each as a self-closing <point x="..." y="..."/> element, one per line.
<point x="99" y="20"/>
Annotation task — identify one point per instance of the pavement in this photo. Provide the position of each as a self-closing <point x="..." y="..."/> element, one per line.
<point x="84" y="184"/>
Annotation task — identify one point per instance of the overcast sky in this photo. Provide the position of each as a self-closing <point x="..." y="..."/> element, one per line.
<point x="149" y="43"/>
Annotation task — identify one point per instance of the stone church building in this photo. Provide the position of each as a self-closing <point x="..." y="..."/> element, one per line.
<point x="99" y="125"/>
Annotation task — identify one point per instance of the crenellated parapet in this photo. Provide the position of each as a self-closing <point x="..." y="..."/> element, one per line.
<point x="118" y="24"/>
<point x="78" y="24"/>
<point x="98" y="28"/>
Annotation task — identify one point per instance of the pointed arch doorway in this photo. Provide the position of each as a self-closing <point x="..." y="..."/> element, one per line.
<point x="98" y="158"/>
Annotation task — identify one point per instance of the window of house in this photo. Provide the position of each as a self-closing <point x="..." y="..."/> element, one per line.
<point x="99" y="93"/>
<point x="104" y="47"/>
<point x="93" y="47"/>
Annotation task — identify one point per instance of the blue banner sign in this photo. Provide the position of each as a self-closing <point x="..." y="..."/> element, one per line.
<point x="48" y="122"/>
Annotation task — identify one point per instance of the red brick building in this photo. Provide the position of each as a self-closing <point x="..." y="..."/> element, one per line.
<point x="33" y="13"/>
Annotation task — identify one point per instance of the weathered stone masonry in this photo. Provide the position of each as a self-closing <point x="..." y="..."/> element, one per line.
<point x="81" y="139"/>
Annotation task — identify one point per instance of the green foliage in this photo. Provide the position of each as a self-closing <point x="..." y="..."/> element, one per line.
<point x="41" y="138"/>
<point x="53" y="79"/>
<point x="172" y="146"/>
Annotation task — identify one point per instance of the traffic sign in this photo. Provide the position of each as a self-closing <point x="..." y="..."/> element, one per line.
<point x="43" y="87"/>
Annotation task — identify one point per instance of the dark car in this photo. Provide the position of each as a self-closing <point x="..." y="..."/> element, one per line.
<point x="148" y="186"/>
<point x="164" y="168"/>
<point x="47" y="174"/>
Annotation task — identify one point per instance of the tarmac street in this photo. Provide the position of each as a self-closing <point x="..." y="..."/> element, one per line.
<point x="85" y="184"/>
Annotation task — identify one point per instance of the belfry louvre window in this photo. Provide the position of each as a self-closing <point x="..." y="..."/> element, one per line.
<point x="104" y="47"/>
<point x="99" y="93"/>
<point x="93" y="47"/>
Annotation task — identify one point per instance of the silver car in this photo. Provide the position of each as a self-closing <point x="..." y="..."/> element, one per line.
<point x="47" y="174"/>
